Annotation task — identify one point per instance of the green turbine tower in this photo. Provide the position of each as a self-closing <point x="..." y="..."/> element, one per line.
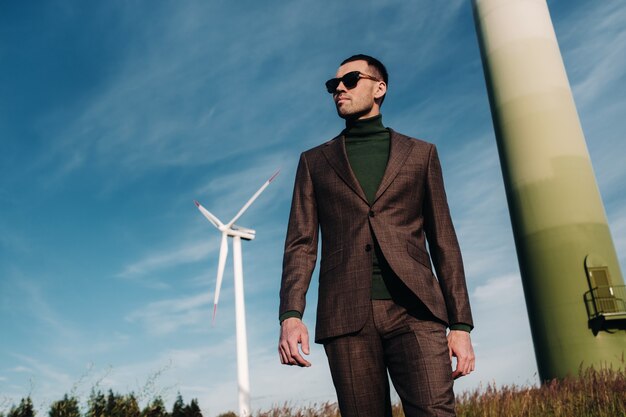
<point x="573" y="285"/>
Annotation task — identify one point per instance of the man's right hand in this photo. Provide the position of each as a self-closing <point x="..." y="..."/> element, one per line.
<point x="292" y="333"/>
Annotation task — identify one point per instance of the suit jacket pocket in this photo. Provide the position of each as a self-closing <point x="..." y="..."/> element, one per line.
<point x="419" y="254"/>
<point x="330" y="262"/>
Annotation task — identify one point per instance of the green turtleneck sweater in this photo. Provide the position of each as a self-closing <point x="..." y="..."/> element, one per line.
<point x="367" y="147"/>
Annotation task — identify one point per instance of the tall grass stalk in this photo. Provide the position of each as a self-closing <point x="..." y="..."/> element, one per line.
<point x="593" y="393"/>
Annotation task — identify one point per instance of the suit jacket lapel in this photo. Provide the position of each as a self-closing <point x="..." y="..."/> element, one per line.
<point x="335" y="153"/>
<point x="399" y="149"/>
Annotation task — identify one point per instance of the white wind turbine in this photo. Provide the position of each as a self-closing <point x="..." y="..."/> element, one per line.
<point x="237" y="233"/>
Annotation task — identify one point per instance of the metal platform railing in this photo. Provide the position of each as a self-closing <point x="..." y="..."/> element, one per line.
<point x="606" y="301"/>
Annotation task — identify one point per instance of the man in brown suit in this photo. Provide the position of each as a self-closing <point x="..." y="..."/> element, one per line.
<point x="376" y="196"/>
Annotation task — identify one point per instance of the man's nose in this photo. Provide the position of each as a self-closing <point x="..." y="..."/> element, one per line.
<point x="340" y="88"/>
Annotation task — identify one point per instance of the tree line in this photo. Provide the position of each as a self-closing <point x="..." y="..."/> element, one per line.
<point x="111" y="405"/>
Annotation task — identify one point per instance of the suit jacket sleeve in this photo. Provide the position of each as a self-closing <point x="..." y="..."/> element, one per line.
<point x="301" y="242"/>
<point x="443" y="244"/>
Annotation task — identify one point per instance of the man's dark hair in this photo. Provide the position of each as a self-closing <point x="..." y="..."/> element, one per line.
<point x="379" y="68"/>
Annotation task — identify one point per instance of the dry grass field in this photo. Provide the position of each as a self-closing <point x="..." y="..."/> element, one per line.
<point x="590" y="394"/>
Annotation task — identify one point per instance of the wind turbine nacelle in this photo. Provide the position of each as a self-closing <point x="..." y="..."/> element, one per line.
<point x="242" y="232"/>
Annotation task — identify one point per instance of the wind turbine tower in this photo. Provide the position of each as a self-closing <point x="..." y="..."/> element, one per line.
<point x="574" y="289"/>
<point x="230" y="229"/>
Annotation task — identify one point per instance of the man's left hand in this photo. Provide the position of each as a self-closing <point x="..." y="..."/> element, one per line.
<point x="460" y="346"/>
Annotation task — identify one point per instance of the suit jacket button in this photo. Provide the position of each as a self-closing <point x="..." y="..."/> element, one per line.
<point x="371" y="213"/>
<point x="368" y="247"/>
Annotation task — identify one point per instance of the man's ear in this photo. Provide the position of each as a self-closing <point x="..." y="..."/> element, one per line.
<point x="381" y="90"/>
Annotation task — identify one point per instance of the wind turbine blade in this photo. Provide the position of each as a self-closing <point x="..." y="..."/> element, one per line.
<point x="214" y="220"/>
<point x="220" y="271"/>
<point x="254" y="197"/>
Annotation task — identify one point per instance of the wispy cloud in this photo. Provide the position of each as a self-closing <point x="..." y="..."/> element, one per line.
<point x="146" y="115"/>
<point x="47" y="375"/>
<point x="169" y="316"/>
<point x="224" y="196"/>
<point x="191" y="252"/>
<point x="40" y="310"/>
<point x="594" y="56"/>
<point x="21" y="368"/>
<point x="478" y="205"/>
<point x="162" y="374"/>
<point x="266" y="369"/>
<point x="500" y="290"/>
<point x="170" y="371"/>
<point x="502" y="332"/>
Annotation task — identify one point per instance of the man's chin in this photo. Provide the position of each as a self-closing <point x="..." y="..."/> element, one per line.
<point x="347" y="115"/>
<point x="350" y="116"/>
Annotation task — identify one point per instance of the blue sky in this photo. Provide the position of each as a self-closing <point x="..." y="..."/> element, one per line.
<point x="115" y="116"/>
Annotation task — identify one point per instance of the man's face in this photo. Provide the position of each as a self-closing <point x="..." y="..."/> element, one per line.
<point x="358" y="102"/>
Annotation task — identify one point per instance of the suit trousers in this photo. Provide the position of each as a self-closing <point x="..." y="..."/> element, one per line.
<point x="411" y="346"/>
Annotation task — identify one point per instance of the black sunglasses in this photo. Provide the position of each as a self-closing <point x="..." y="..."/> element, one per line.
<point x="350" y="80"/>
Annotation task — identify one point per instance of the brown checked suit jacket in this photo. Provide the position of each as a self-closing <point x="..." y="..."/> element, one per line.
<point x="410" y="206"/>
